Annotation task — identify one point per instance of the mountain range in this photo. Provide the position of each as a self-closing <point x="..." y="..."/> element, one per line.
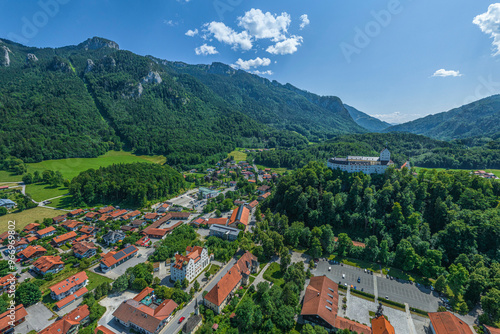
<point x="86" y="99"/>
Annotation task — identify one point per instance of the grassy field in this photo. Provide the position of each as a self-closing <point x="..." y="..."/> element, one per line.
<point x="72" y="167"/>
<point x="238" y="155"/>
<point x="96" y="279"/>
<point x="9" y="177"/>
<point x="280" y="171"/>
<point x="273" y="274"/>
<point x="42" y="191"/>
<point x="62" y="203"/>
<point x="27" y="216"/>
<point x="494" y="171"/>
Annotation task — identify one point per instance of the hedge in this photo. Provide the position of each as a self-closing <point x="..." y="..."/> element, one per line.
<point x="387" y="301"/>
<point x="416" y="310"/>
<point x="362" y="293"/>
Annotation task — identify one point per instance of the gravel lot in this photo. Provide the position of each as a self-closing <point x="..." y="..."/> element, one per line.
<point x="111" y="303"/>
<point x="37" y="319"/>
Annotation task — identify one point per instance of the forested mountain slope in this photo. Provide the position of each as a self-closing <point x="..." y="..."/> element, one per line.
<point x="477" y="119"/>
<point x="370" y="123"/>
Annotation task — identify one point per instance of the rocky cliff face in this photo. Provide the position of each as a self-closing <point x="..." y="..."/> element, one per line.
<point x="96" y="43"/>
<point x="152" y="77"/>
<point x="4" y="56"/>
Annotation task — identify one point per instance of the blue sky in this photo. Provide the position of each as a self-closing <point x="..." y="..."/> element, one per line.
<point x="378" y="56"/>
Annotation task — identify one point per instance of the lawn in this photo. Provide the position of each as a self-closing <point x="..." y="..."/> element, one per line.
<point x="41" y="191"/>
<point x="494" y="171"/>
<point x="408" y="277"/>
<point x="65" y="202"/>
<point x="9" y="177"/>
<point x="26" y="217"/>
<point x="213" y="269"/>
<point x="73" y="166"/>
<point x="238" y="155"/>
<point x="280" y="171"/>
<point x="273" y="274"/>
<point x="96" y="279"/>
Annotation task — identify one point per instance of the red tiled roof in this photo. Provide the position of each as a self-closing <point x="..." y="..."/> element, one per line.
<point x="253" y="204"/>
<point x="20" y="312"/>
<point x="151" y="215"/>
<point x="353" y="326"/>
<point x="29" y="251"/>
<point x="216" y="221"/>
<point x="109" y="259"/>
<point x="241" y="214"/>
<point x="104" y="218"/>
<point x="6" y="280"/>
<point x="68" y="321"/>
<point x="64" y="237"/>
<point x="82" y="247"/>
<point x="199" y="221"/>
<point x="46" y="230"/>
<point x="131" y="214"/>
<point x="492" y="330"/>
<point x="266" y="195"/>
<point x="117" y="213"/>
<point x="30" y="227"/>
<point x="223" y="288"/>
<point x="156" y="232"/>
<point x="103" y="329"/>
<point x="30" y="239"/>
<point x="91" y="214"/>
<point x="106" y="209"/>
<point x="381" y="325"/>
<point x="65" y="301"/>
<point x="448" y="323"/>
<point x="317" y="298"/>
<point x="69" y="283"/>
<point x="194" y="254"/>
<point x="143" y="316"/>
<point x="71" y="223"/>
<point x="76" y="212"/>
<point x="59" y="218"/>
<point x="45" y="263"/>
<point x="86" y="229"/>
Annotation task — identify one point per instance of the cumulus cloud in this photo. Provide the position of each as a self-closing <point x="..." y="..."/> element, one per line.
<point x="206" y="50"/>
<point x="192" y="33"/>
<point x="268" y="72"/>
<point x="248" y="64"/>
<point x="305" y="21"/>
<point x="288" y="46"/>
<point x="446" y="73"/>
<point x="227" y="35"/>
<point x="265" y="25"/>
<point x="489" y="23"/>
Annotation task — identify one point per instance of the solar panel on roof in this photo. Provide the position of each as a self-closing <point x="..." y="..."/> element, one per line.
<point x="119" y="255"/>
<point x="129" y="249"/>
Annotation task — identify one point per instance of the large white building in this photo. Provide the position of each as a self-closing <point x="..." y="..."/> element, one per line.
<point x="190" y="265"/>
<point x="367" y="165"/>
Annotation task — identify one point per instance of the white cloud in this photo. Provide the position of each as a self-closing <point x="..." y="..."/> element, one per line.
<point x="268" y="72"/>
<point x="446" y="73"/>
<point x="227" y="35"/>
<point x="265" y="25"/>
<point x="489" y="23"/>
<point x="397" y="117"/>
<point x="305" y="21"/>
<point x="170" y="23"/>
<point x="288" y="46"/>
<point x="206" y="50"/>
<point x="248" y="64"/>
<point x="192" y="33"/>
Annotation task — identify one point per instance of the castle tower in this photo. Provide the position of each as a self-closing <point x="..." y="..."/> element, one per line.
<point x="385" y="155"/>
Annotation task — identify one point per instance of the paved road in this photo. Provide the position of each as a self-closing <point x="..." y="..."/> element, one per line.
<point x="257" y="172"/>
<point x="173" y="326"/>
<point x="401" y="292"/>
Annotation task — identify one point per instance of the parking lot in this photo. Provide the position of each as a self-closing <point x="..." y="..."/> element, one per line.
<point x="37" y="319"/>
<point x="114" y="273"/>
<point x="402" y="292"/>
<point x="111" y="303"/>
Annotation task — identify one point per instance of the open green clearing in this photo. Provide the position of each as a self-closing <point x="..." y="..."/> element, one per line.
<point x="238" y="155"/>
<point x="72" y="167"/>
<point x="96" y="279"/>
<point x="273" y="274"/>
<point x="6" y="176"/>
<point x="26" y="217"/>
<point x="213" y="269"/>
<point x="494" y="171"/>
<point x="41" y="191"/>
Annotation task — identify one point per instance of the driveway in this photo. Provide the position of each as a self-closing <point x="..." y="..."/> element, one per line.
<point x="111" y="303"/>
<point x="37" y="319"/>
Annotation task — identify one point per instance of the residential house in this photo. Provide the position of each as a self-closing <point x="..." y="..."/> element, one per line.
<point x="156" y="233"/>
<point x="263" y="197"/>
<point x="198" y="221"/>
<point x="48" y="264"/>
<point x="84" y="249"/>
<point x="320" y="307"/>
<point x="31" y="228"/>
<point x="163" y="208"/>
<point x="88" y="230"/>
<point x="138" y="223"/>
<point x="70" y="323"/>
<point x="240" y="217"/>
<point x="112" y="237"/>
<point x="31" y="252"/>
<point x="91" y="216"/>
<point x="447" y="323"/>
<point x="131" y="215"/>
<point x="218" y="297"/>
<point x="104" y="218"/>
<point x="76" y="212"/>
<point x="46" y="232"/>
<point x="117" y="214"/>
<point x="6" y="282"/>
<point x="7" y="324"/>
<point x="69" y="286"/>
<point x="19" y="245"/>
<point x="64" y="238"/>
<point x="113" y="259"/>
<point x="82" y="238"/>
<point x="252" y="205"/>
<point x="145" y="313"/>
<point x="107" y="209"/>
<point x="71" y="225"/>
<point x="189" y="266"/>
<point x="128" y="228"/>
<point x="491" y="330"/>
<point x="263" y="189"/>
<point x="7" y="203"/>
<point x="224" y="232"/>
<point x="151" y="216"/>
<point x="59" y="219"/>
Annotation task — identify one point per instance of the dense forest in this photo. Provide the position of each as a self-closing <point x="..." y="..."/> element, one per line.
<point x="422" y="151"/>
<point x="133" y="184"/>
<point x="406" y="220"/>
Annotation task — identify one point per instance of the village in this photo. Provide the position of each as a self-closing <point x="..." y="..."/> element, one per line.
<point x="97" y="250"/>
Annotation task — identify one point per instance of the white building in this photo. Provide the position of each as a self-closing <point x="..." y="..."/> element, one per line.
<point x="367" y="165"/>
<point x="190" y="265"/>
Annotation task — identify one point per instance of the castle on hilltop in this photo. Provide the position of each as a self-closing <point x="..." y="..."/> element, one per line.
<point x="367" y="165"/>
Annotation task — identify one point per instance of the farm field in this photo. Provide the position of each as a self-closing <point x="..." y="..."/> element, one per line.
<point x="494" y="171"/>
<point x="27" y="216"/>
<point x="73" y="166"/>
<point x="238" y="155"/>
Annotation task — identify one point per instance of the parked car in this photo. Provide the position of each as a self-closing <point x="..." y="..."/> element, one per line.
<point x="359" y="279"/>
<point x="343" y="276"/>
<point x="182" y="319"/>
<point x="329" y="268"/>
